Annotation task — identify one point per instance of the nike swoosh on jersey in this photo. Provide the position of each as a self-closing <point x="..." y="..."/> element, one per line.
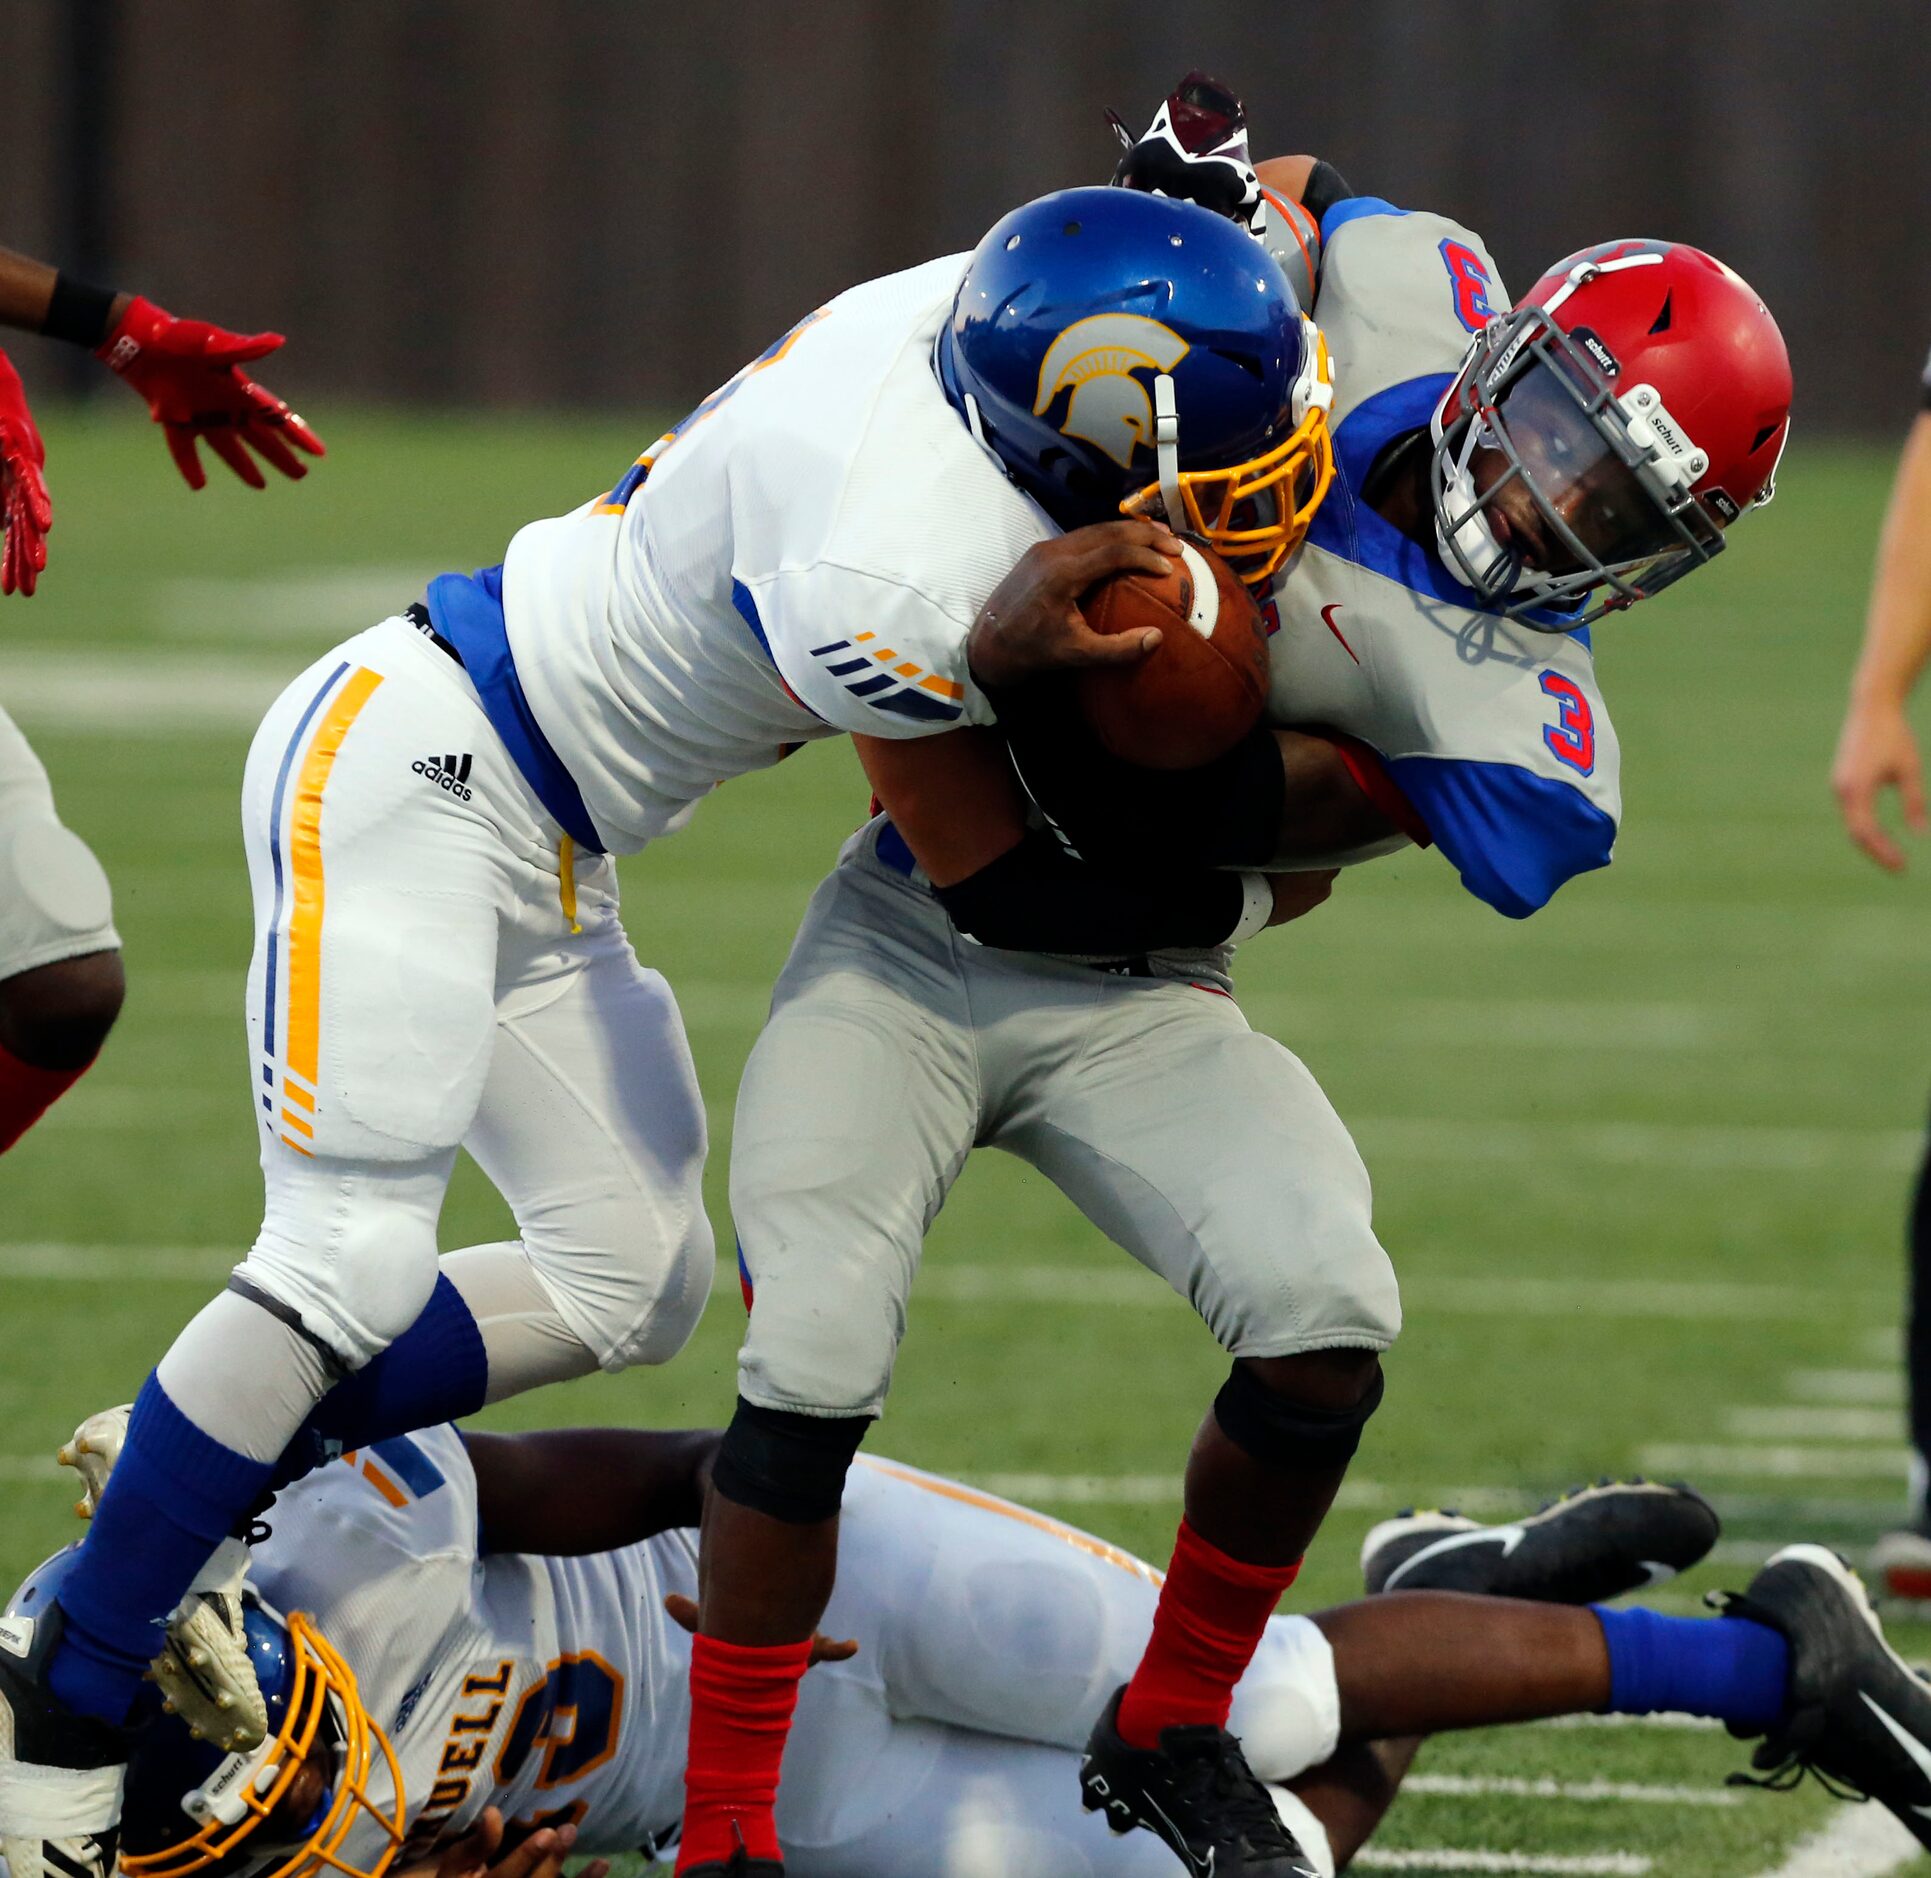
<point x="1327" y="619"/>
<point x="1912" y="1746"/>
<point x="1508" y="1537"/>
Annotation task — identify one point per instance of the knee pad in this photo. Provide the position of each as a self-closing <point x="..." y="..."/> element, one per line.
<point x="55" y="902"/>
<point x="351" y="1251"/>
<point x="786" y="1465"/>
<point x="1278" y="1432"/>
<point x="630" y="1281"/>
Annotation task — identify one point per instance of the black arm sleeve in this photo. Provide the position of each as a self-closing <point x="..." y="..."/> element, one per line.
<point x="1035" y="898"/>
<point x="1226" y="813"/>
<point x="1325" y="187"/>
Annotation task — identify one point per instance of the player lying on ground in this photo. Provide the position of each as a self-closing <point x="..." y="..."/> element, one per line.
<point x="60" y="962"/>
<point x="552" y="1685"/>
<point x="430" y="815"/>
<point x="1500" y="477"/>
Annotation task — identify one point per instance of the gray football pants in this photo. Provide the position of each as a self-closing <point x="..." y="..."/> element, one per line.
<point x="895" y="1047"/>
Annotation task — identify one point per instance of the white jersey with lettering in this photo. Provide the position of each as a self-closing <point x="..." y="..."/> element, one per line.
<point x="801" y="556"/>
<point x="989" y="1638"/>
<point x="1494" y="735"/>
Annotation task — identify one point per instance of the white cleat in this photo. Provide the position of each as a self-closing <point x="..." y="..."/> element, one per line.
<point x="205" y="1672"/>
<point x="92" y="1452"/>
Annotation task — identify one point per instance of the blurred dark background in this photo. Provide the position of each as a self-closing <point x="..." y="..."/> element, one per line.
<point x="555" y="202"/>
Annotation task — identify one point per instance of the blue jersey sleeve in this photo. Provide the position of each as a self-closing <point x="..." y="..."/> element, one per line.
<point x="1514" y="836"/>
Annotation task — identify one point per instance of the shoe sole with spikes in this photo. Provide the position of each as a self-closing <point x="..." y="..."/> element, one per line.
<point x="1860" y="1716"/>
<point x="1593" y="1544"/>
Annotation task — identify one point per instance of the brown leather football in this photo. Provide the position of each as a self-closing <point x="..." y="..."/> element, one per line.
<point x="1202" y="691"/>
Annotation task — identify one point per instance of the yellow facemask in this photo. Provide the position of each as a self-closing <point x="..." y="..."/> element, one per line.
<point x="324" y="1689"/>
<point x="1230" y="508"/>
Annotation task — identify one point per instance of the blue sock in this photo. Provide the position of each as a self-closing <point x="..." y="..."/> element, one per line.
<point x="176" y="1494"/>
<point x="1726" y="1667"/>
<point x="436" y="1371"/>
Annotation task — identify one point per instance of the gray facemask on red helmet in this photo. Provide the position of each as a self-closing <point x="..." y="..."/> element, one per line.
<point x="1600" y="437"/>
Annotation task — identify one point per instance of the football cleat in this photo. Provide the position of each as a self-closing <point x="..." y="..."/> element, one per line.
<point x="1859" y="1717"/>
<point x="1591" y="1545"/>
<point x="204" y="1670"/>
<point x="92" y="1452"/>
<point x="738" y="1865"/>
<point x="1901" y="1564"/>
<point x="1197" y="1793"/>
<point x="60" y="1773"/>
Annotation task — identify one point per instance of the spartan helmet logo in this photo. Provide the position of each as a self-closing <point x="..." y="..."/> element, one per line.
<point x="1097" y="357"/>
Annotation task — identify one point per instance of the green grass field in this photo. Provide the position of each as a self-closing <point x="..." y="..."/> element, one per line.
<point x="1641" y="1161"/>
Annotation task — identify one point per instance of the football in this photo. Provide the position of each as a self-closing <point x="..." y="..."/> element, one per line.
<point x="1196" y="696"/>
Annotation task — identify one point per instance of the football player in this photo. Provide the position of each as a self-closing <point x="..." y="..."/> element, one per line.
<point x="431" y="814"/>
<point x="1501" y="478"/>
<point x="60" y="965"/>
<point x="496" y="1622"/>
<point x="1877" y="751"/>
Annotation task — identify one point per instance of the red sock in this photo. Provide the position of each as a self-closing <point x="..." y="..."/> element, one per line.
<point x="741" y="1702"/>
<point x="1209" y="1620"/>
<point x="26" y="1094"/>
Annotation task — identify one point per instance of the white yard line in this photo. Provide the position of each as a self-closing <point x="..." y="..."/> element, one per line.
<point x="56" y="1263"/>
<point x="1669" y="1719"/>
<point x="1849" y="1385"/>
<point x="1813" y="1424"/>
<point x="1468" y="1858"/>
<point x="1748" y="1147"/>
<point x="1123" y="1283"/>
<point x="1773" y="1463"/>
<point x="43" y="1469"/>
<point x="135" y="693"/>
<point x="1858" y="1842"/>
<point x="1473" y="1786"/>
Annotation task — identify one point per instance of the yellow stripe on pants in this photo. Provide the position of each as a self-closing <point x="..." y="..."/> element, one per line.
<point x="305" y="866"/>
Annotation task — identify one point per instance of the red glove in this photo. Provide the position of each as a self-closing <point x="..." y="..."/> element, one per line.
<point x="190" y="374"/>
<point x="25" y="512"/>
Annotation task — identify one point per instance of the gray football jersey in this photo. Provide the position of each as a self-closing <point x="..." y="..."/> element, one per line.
<point x="1494" y="735"/>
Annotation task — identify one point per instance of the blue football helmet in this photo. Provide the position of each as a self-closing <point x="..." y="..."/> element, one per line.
<point x="190" y="1806"/>
<point x="1122" y="353"/>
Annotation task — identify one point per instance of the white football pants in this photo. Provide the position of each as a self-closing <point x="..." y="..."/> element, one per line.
<point x="434" y="967"/>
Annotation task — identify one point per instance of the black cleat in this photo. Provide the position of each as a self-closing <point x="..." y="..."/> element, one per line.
<point x="1593" y="1544"/>
<point x="736" y="1866"/>
<point x="78" y="1760"/>
<point x="1859" y="1717"/>
<point x="1196" y="1791"/>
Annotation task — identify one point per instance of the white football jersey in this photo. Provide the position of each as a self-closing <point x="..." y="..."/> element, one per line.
<point x="801" y="556"/>
<point x="544" y="1686"/>
<point x="1495" y="734"/>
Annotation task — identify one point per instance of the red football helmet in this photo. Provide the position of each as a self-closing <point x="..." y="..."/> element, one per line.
<point x="1600" y="437"/>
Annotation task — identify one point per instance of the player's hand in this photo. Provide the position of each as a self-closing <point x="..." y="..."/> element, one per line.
<point x="1876" y="751"/>
<point x="479" y="1854"/>
<point x="191" y="375"/>
<point x="1295" y="894"/>
<point x="1032" y="623"/>
<point x="683" y="1611"/>
<point x="26" y="514"/>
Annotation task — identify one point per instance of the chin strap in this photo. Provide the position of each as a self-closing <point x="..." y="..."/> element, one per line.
<point x="1166" y="449"/>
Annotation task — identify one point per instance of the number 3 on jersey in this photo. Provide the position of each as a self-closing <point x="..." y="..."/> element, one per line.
<point x="1469" y="275"/>
<point x="1572" y="737"/>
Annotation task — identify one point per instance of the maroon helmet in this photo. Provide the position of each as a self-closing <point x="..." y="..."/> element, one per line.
<point x="1600" y="437"/>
